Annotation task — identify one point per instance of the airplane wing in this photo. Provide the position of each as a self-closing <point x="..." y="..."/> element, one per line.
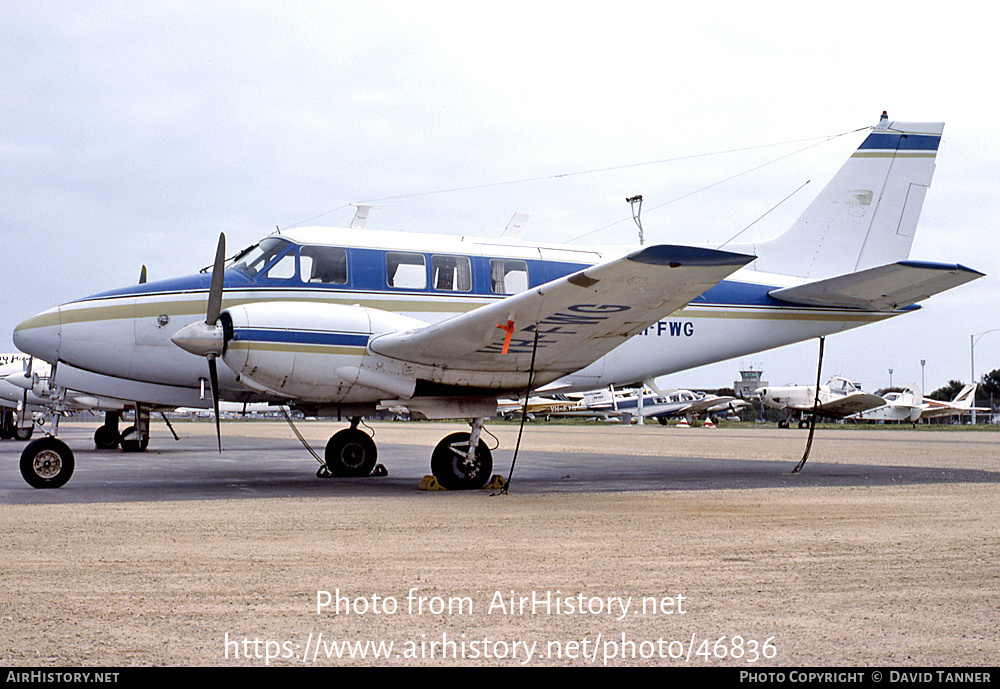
<point x="578" y="318"/>
<point x="884" y="288"/>
<point x="849" y="404"/>
<point x="711" y="402"/>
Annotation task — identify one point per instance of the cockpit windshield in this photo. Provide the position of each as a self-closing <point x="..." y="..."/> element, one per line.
<point x="842" y="386"/>
<point x="252" y="260"/>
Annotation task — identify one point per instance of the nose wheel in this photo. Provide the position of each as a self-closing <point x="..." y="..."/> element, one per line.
<point x="47" y="463"/>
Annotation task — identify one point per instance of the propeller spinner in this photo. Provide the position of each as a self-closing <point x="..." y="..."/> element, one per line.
<point x="207" y="338"/>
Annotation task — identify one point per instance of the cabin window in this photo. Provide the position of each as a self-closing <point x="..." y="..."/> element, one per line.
<point x="508" y="276"/>
<point x="323" y="264"/>
<point x="452" y="273"/>
<point x="405" y="270"/>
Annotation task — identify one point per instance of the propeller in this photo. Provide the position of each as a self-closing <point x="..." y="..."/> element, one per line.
<point x="207" y="338"/>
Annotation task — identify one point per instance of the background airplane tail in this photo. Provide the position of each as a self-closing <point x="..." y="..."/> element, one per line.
<point x="912" y="395"/>
<point x="965" y="398"/>
<point x="867" y="215"/>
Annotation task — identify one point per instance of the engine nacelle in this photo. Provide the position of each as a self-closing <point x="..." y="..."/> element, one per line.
<point x="313" y="352"/>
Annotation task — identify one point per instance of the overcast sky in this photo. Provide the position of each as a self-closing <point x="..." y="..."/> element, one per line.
<point x="131" y="134"/>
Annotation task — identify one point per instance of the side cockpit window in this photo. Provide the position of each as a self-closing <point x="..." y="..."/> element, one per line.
<point x="284" y="268"/>
<point x="323" y="264"/>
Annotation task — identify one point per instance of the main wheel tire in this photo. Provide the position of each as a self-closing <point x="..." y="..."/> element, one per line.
<point x="47" y="463"/>
<point x="106" y="437"/>
<point x="350" y="452"/>
<point x="129" y="443"/>
<point x="24" y="433"/>
<point x="451" y="467"/>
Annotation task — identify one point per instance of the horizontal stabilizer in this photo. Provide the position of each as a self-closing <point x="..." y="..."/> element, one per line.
<point x="885" y="288"/>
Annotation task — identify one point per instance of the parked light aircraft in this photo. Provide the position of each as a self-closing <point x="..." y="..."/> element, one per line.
<point x="337" y="322"/>
<point x="661" y="405"/>
<point x="539" y="405"/>
<point x="838" y="399"/>
<point x="911" y="406"/>
<point x="906" y="405"/>
<point x="690" y="404"/>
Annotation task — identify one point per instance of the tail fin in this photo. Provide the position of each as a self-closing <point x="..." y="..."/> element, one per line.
<point x="867" y="215"/>
<point x="964" y="399"/>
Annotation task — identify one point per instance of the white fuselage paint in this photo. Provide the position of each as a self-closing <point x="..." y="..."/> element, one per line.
<point x="126" y="337"/>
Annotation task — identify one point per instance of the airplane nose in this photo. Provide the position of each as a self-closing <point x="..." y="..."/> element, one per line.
<point x="39" y="335"/>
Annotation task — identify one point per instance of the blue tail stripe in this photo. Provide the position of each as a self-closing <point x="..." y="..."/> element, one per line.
<point x="901" y="142"/>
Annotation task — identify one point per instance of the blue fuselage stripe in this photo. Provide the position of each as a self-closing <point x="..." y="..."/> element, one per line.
<point x="310" y="337"/>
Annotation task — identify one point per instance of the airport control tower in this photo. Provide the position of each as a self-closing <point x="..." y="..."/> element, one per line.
<point x="751" y="381"/>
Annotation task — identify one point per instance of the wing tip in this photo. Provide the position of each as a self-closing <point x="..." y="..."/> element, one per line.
<point x="956" y="267"/>
<point x="676" y="256"/>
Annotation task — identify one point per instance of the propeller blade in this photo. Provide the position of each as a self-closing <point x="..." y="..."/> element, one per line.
<point x="213" y="373"/>
<point x="215" y="291"/>
<point x="142" y="276"/>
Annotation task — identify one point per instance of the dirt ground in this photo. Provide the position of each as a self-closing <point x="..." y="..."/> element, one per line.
<point x="897" y="573"/>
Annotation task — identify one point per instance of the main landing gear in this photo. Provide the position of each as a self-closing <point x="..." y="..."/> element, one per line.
<point x="803" y="421"/>
<point x="107" y="436"/>
<point x="461" y="461"/>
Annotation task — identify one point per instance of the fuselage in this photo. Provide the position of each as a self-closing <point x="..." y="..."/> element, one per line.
<point x="125" y="334"/>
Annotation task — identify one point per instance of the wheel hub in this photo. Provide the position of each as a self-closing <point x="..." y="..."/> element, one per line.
<point x="353" y="455"/>
<point x="47" y="464"/>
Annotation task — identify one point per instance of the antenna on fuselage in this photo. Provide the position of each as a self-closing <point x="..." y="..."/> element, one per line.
<point x="515" y="226"/>
<point x="360" y="217"/>
<point x="636" y="203"/>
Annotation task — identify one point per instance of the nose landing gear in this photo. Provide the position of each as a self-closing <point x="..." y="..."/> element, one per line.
<point x="47" y="463"/>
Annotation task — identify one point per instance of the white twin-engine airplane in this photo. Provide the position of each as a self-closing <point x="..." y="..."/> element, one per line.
<point x="336" y="322"/>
